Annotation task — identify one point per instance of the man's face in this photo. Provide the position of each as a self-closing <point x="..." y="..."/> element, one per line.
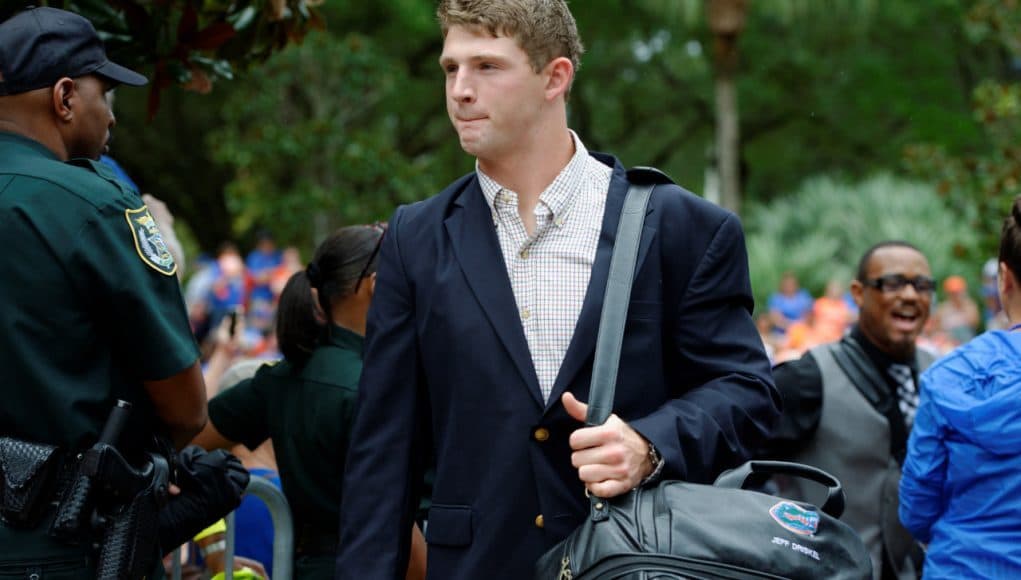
<point x="494" y="97"/>
<point x="93" y="118"/>
<point x="893" y="320"/>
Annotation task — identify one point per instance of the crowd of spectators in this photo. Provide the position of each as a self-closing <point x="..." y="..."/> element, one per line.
<point x="245" y="290"/>
<point x="795" y="321"/>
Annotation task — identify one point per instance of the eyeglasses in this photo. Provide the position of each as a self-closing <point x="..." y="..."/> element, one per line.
<point x="895" y="282"/>
<point x="375" y="250"/>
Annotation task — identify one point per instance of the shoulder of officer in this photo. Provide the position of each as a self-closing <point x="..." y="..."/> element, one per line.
<point x="98" y="171"/>
<point x="88" y="181"/>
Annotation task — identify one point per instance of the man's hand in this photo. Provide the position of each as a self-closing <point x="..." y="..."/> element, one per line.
<point x="612" y="458"/>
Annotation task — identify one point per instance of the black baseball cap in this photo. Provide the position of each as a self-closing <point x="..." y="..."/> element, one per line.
<point x="39" y="46"/>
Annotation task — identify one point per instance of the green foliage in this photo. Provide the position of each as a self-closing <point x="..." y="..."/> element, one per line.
<point x="310" y="134"/>
<point x="980" y="185"/>
<point x="818" y="93"/>
<point x="821" y="231"/>
<point x="191" y="42"/>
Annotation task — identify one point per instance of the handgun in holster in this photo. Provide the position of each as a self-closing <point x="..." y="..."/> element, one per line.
<point x="111" y="497"/>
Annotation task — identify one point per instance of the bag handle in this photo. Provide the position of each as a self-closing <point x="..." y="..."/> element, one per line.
<point x="615" y="302"/>
<point x="754" y="474"/>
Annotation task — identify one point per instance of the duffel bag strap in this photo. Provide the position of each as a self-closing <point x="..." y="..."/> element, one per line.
<point x="614" y="314"/>
<point x="754" y="474"/>
<point x="615" y="303"/>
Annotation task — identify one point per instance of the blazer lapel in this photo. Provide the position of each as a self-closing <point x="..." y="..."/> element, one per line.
<point x="475" y="244"/>
<point x="583" y="341"/>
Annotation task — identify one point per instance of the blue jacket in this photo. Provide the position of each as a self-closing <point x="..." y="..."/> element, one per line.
<point x="448" y="374"/>
<point x="961" y="488"/>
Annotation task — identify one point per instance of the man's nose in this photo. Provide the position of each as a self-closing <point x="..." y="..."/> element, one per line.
<point x="461" y="89"/>
<point x="909" y="292"/>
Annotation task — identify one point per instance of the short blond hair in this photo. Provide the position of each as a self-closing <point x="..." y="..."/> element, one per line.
<point x="544" y="29"/>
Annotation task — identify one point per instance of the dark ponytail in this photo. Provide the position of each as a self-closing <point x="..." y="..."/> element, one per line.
<point x="333" y="272"/>
<point x="1010" y="238"/>
<point x="298" y="328"/>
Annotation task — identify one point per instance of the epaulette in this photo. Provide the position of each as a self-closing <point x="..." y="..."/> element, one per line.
<point x="647" y="176"/>
<point x="103" y="170"/>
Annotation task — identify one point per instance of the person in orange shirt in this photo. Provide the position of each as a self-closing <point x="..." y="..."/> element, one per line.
<point x="831" y="312"/>
<point x="958" y="315"/>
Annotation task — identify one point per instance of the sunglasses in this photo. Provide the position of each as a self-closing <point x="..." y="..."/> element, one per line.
<point x="896" y="282"/>
<point x="372" y="256"/>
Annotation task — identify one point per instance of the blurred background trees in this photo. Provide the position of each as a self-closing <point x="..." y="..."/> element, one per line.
<point x="297" y="118"/>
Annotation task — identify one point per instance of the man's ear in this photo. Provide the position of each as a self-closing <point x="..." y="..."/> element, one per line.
<point x="560" y="73"/>
<point x="63" y="95"/>
<point x="857" y="292"/>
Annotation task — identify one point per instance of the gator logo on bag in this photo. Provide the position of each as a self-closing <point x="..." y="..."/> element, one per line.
<point x="795" y="518"/>
<point x="149" y="242"/>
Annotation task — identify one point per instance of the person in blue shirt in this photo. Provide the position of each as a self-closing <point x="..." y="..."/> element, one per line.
<point x="961" y="487"/>
<point x="260" y="263"/>
<point x="790" y="304"/>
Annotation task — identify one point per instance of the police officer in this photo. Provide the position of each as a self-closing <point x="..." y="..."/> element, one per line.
<point x="90" y="309"/>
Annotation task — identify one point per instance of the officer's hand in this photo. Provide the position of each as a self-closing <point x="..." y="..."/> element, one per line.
<point x="211" y="487"/>
<point x="612" y="458"/>
<point x="212" y="470"/>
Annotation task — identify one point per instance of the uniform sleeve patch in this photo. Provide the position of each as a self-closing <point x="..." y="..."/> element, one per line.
<point x="149" y="242"/>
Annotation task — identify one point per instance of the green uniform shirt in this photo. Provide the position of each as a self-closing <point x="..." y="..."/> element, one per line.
<point x="89" y="305"/>
<point x="308" y="413"/>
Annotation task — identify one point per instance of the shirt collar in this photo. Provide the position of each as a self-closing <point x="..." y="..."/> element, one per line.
<point x="346" y="339"/>
<point x="878" y="357"/>
<point x="26" y="144"/>
<point x="558" y="195"/>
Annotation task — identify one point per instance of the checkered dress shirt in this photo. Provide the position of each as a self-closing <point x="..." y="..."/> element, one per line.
<point x="550" y="271"/>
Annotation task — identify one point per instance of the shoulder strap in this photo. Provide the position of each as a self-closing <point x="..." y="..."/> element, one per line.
<point x="866" y="378"/>
<point x="618" y="293"/>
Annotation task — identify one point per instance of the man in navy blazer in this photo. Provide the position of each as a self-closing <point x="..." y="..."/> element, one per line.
<point x="483" y="326"/>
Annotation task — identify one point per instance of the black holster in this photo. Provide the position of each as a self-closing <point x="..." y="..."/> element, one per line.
<point x="131" y="538"/>
<point x="110" y="498"/>
<point x="29" y="474"/>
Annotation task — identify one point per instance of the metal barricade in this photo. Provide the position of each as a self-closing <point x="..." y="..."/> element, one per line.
<point x="283" y="533"/>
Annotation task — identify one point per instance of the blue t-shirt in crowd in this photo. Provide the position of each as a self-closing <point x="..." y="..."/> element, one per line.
<point x="792" y="307"/>
<point x="259" y="262"/>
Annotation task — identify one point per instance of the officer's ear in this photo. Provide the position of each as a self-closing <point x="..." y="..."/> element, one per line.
<point x="63" y="93"/>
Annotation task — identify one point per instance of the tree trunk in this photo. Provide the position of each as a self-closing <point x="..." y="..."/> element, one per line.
<point x="727" y="20"/>
<point x="728" y="141"/>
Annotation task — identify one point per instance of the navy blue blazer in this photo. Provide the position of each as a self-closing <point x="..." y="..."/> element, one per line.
<point x="448" y="374"/>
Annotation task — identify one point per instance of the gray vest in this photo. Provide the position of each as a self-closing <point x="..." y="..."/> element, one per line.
<point x="853" y="444"/>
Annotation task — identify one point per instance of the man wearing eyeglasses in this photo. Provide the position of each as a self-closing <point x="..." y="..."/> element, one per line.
<point x="848" y="405"/>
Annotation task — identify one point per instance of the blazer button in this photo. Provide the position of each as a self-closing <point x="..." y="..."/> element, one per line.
<point x="541" y="434"/>
<point x="538" y="521"/>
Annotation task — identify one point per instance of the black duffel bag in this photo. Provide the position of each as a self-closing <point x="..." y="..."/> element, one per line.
<point x="687" y="530"/>
<point x="684" y="530"/>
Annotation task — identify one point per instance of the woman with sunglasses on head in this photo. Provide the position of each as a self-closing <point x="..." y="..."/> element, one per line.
<point x="305" y="404"/>
<point x="961" y="488"/>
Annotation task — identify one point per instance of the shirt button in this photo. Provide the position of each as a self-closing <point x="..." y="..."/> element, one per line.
<point x="526" y="313"/>
<point x="539" y="523"/>
<point x="541" y="434"/>
<point x="524" y="254"/>
<point x="559" y="222"/>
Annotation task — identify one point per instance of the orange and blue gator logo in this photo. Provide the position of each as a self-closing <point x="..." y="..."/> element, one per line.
<point x="795" y="518"/>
